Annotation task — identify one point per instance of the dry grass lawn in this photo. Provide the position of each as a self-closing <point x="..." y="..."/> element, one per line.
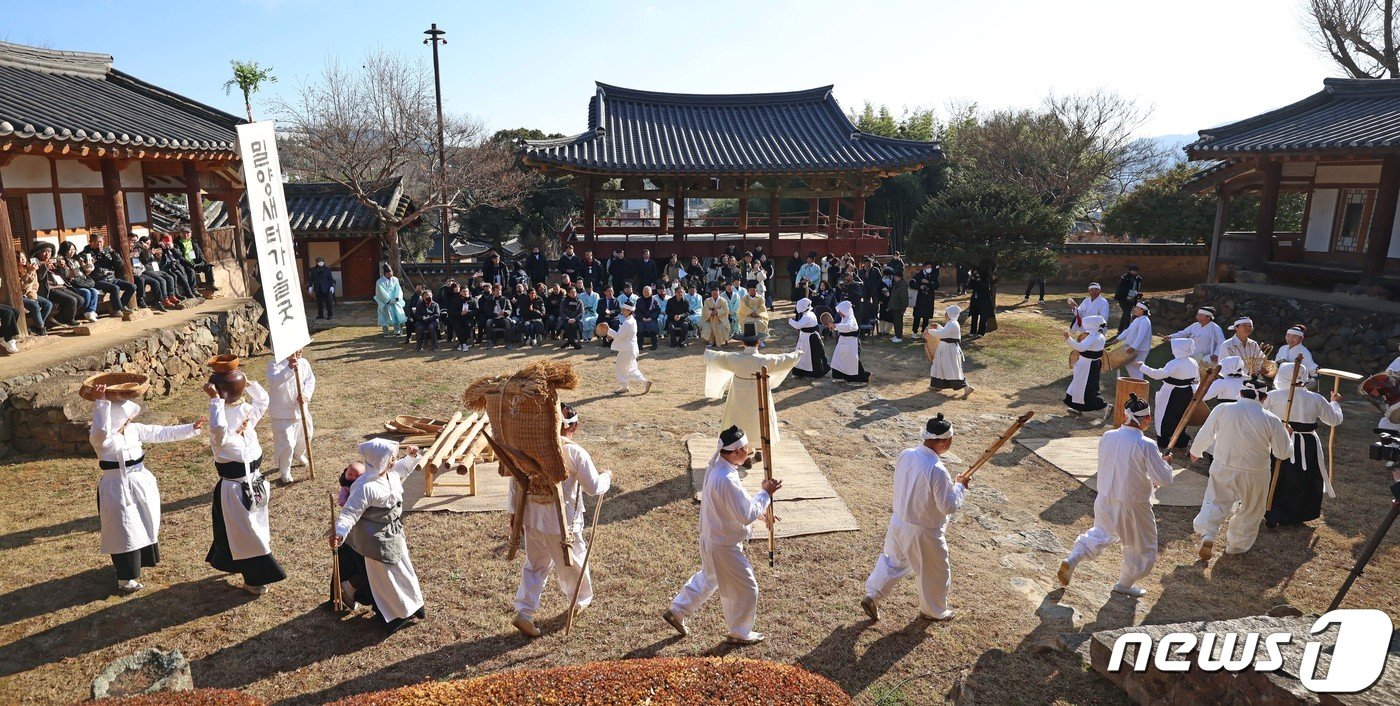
<point x="60" y="622"/>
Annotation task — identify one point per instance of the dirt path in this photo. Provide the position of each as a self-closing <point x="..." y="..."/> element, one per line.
<point x="58" y="623"/>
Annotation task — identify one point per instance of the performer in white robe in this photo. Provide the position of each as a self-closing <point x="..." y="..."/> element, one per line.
<point x="925" y="494"/>
<point x="845" y="358"/>
<point x="1205" y="334"/>
<point x="1302" y="478"/>
<point x="1082" y="395"/>
<point x="624" y="341"/>
<point x="734" y="374"/>
<point x="714" y="319"/>
<point x="1246" y="438"/>
<point x="946" y="370"/>
<point x="1226" y="387"/>
<point x="1179" y="382"/>
<point x="1293" y="347"/>
<point x="1130" y="466"/>
<point x="128" y="499"/>
<point x="242" y="541"/>
<point x="1137" y="340"/>
<point x="544" y="547"/>
<point x="1239" y="343"/>
<point x="726" y="511"/>
<point x="286" y="410"/>
<point x="371" y="524"/>
<point x="1094" y="305"/>
<point x="812" y="363"/>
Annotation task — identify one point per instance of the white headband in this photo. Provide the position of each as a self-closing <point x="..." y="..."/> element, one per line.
<point x="1143" y="306"/>
<point x="1296" y="332"/>
<point x="1136" y="415"/>
<point x="1094" y="285"/>
<point x="926" y="434"/>
<point x="1203" y="312"/>
<point x="573" y="419"/>
<point x="740" y="443"/>
<point x="1245" y="320"/>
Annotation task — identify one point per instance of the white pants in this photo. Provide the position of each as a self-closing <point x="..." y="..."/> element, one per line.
<point x="544" y="551"/>
<point x="920" y="551"/>
<point x="723" y="568"/>
<point x="1238" y="493"/>
<point x="1133" y="524"/>
<point x="289" y="441"/>
<point x="627" y="370"/>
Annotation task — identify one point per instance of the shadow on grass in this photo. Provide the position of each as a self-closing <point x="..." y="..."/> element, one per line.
<point x="14" y="540"/>
<point x="836" y="659"/>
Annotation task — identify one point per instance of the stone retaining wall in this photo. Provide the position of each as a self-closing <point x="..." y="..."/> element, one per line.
<point x="1163" y="266"/>
<point x="42" y="413"/>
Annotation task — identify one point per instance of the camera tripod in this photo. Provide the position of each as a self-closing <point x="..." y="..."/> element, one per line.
<point x="1365" y="558"/>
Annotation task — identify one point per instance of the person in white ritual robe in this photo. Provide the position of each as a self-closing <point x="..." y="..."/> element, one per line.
<point x="544" y="547"/>
<point x="845" y="358"/>
<point x="1239" y="343"/>
<point x="714" y="319"/>
<point x="812" y="363"/>
<point x="1205" y="334"/>
<point x="946" y="370"/>
<point x="1130" y="466"/>
<point x="1094" y="305"/>
<point x="1302" y="478"/>
<point x="1293" y="347"/>
<point x="1246" y="438"/>
<point x="128" y="498"/>
<point x="242" y="541"/>
<point x="733" y="375"/>
<point x="1226" y="387"/>
<point x="1082" y="395"/>
<point x="371" y="523"/>
<point x="287" y="410"/>
<point x="624" y="341"/>
<point x="1179" y="382"/>
<point x="726" y="512"/>
<point x="925" y="494"/>
<point x="1137" y="340"/>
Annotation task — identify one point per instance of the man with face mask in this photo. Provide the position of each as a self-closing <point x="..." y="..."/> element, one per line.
<point x="924" y="283"/>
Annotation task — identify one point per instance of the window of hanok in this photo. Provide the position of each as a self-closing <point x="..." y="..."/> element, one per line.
<point x="1353" y="220"/>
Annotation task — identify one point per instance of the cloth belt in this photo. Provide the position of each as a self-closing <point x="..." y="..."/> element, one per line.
<point x="1301" y="428"/>
<point x="809" y="329"/>
<point x="852" y="333"/>
<point x="114" y="465"/>
<point x="951" y="340"/>
<point x="1091" y="355"/>
<point x="1179" y="382"/>
<point x="235" y="470"/>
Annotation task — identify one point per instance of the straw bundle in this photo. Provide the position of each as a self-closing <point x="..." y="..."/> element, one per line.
<point x="523" y="409"/>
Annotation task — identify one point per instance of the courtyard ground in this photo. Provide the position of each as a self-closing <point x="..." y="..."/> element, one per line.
<point x="60" y="622"/>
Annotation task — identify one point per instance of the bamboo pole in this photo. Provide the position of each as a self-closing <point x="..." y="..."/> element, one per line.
<point x="1006" y="436"/>
<point x="1195" y="400"/>
<point x="305" y="428"/>
<point x="337" y="597"/>
<point x="434" y="450"/>
<point x="1287" y="412"/>
<point x="764" y="415"/>
<point x="583" y="570"/>
<point x="453" y="436"/>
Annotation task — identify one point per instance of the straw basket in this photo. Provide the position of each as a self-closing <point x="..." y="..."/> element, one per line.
<point x="223" y="364"/>
<point x="524" y="411"/>
<point x="1115" y="358"/>
<point x="120" y="386"/>
<point x="407" y="424"/>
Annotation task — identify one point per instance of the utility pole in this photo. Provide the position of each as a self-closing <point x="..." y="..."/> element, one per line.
<point x="436" y="37"/>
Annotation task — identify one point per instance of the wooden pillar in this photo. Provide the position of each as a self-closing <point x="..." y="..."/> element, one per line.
<point x="194" y="196"/>
<point x="680" y="216"/>
<point x="1382" y="222"/>
<point x="859" y="216"/>
<point x="115" y="201"/>
<point x="1222" y="217"/>
<point x="665" y="212"/>
<point x="814" y="213"/>
<point x="1268" y="212"/>
<point x="743" y="214"/>
<point x="589" y="225"/>
<point x="239" y="256"/>
<point x="774" y="224"/>
<point x="9" y="269"/>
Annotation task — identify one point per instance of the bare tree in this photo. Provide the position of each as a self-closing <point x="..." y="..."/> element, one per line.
<point x="362" y="128"/>
<point x="1358" y="34"/>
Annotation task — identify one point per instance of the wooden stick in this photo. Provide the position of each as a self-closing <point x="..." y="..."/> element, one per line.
<point x="1195" y="400"/>
<point x="337" y="597"/>
<point x="423" y="457"/>
<point x="1287" y="412"/>
<point x="305" y="428"/>
<point x="1005" y="437"/>
<point x="517" y="527"/>
<point x="436" y="461"/>
<point x="1332" y="434"/>
<point x="583" y="570"/>
<point x="764" y="417"/>
<point x="468" y="439"/>
<point x="566" y="535"/>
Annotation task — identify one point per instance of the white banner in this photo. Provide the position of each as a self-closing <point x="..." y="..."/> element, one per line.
<point x="272" y="236"/>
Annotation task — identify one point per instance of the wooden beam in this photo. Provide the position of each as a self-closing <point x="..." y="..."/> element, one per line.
<point x="1222" y="217"/>
<point x="57" y="202"/>
<point x="743" y="214"/>
<point x="665" y="211"/>
<point x="775" y="218"/>
<point x="115" y="201"/>
<point x="589" y="221"/>
<point x="1268" y="214"/>
<point x="1382" y="222"/>
<point x="195" y="201"/>
<point x="679" y="228"/>
<point x="9" y="269"/>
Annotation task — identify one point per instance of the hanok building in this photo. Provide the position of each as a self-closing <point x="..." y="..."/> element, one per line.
<point x="84" y="148"/>
<point x="1341" y="147"/>
<point x="669" y="147"/>
<point x="329" y="222"/>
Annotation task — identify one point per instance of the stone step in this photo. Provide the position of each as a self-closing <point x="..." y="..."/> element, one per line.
<point x="92" y="328"/>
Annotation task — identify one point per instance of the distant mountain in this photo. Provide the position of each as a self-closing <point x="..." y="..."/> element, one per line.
<point x="1174" y="143"/>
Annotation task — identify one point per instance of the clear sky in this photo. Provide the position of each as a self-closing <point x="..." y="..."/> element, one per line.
<point x="1198" y="63"/>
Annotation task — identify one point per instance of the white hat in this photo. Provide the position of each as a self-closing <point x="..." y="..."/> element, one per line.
<point x="1242" y="320"/>
<point x="803" y="305"/>
<point x="953" y="311"/>
<point x="1182" y="347"/>
<point x="1094" y="323"/>
<point x="1231" y="365"/>
<point x="1285" y="374"/>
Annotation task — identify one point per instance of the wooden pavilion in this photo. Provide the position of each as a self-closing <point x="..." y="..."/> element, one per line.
<point x="329" y="222"/>
<point x="84" y="148"/>
<point x="668" y="147"/>
<point x="1341" y="147"/>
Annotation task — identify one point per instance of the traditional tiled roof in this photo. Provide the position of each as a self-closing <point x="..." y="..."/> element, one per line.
<point x="77" y="97"/>
<point x="329" y="209"/>
<point x="167" y="215"/>
<point x="645" y="132"/>
<point x="1347" y="114"/>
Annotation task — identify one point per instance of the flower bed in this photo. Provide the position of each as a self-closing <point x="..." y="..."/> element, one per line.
<point x="197" y="697"/>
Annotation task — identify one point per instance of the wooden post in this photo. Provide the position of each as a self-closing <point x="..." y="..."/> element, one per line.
<point x="859" y="216"/>
<point x="680" y="216"/>
<point x="9" y="269"/>
<point x="239" y="254"/>
<point x="814" y="214"/>
<point x="1222" y="217"/>
<point x="665" y="213"/>
<point x="590" y="233"/>
<point x="1268" y="212"/>
<point x="774" y="224"/>
<point x="743" y="214"/>
<point x="1382" y="222"/>
<point x="194" y="195"/>
<point x="115" y="202"/>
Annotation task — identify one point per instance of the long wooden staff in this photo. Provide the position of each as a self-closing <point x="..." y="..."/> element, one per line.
<point x="305" y="428"/>
<point x="517" y="527"/>
<point x="1337" y="376"/>
<point x="1196" y="398"/>
<point x="337" y="597"/>
<point x="764" y="414"/>
<point x="583" y="570"/>
<point x="1287" y="412"/>
<point x="1005" y="437"/>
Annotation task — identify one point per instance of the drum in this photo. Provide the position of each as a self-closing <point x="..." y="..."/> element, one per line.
<point x="1383" y="390"/>
<point x="601" y="330"/>
<point x="1127" y="386"/>
<point x="826" y="319"/>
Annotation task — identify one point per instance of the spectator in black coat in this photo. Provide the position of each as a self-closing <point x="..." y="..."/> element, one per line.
<point x="536" y="265"/>
<point x="645" y="271"/>
<point x="569" y="264"/>
<point x="492" y="271"/>
<point x="321" y="284"/>
<point x="570" y="316"/>
<point x="616" y="270"/>
<point x="1127" y="295"/>
<point x="427" y="319"/>
<point x="411" y="306"/>
<point x="678" y="319"/>
<point x="107" y="271"/>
